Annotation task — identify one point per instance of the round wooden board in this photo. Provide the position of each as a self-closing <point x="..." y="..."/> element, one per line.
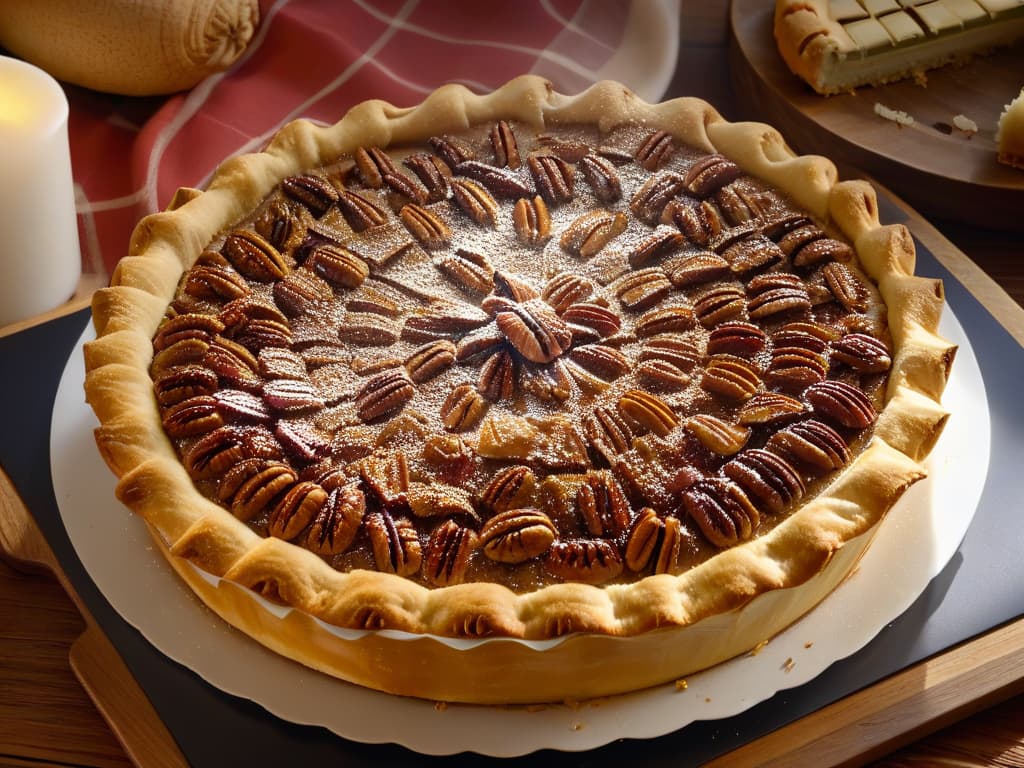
<point x="950" y="175"/>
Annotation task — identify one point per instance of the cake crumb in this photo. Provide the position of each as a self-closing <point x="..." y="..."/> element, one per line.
<point x="965" y="124"/>
<point x="808" y="644"/>
<point x="758" y="648"/>
<point x="707" y="699"/>
<point x="681" y="685"/>
<point x="577" y="726"/>
<point x="789" y="664"/>
<point x="440" y="706"/>
<point x="896" y="115"/>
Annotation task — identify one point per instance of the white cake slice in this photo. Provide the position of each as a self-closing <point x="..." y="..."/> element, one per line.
<point x="838" y="45"/>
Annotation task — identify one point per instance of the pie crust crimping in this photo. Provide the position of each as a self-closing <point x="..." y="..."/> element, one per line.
<point x="543" y="381"/>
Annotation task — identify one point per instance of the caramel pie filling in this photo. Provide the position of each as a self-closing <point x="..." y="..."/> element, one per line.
<point x="521" y="357"/>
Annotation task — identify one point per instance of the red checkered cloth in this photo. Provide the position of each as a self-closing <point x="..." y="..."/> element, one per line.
<point x="316" y="59"/>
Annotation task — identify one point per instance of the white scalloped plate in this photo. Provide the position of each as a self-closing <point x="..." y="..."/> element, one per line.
<point x="916" y="540"/>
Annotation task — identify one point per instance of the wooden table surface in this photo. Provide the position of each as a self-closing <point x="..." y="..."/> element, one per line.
<point x="46" y="718"/>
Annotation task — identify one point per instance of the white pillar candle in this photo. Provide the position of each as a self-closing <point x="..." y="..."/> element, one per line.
<point x="40" y="261"/>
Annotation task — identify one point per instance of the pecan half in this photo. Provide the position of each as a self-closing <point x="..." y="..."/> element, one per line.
<point x="339" y="266"/>
<point x="848" y="288"/>
<point x="468" y="269"/>
<point x="672" y="348"/>
<point x="752" y="253"/>
<point x="602" y="177"/>
<point x="722" y="511"/>
<point x="506" y="148"/>
<point x="194" y="416"/>
<point x="653" y="542"/>
<point x="700" y="268"/>
<point x="661" y="375"/>
<point x="499" y="181"/>
<point x="821" y="249"/>
<point x="180" y="384"/>
<point x="426" y="226"/>
<point x="601" y="360"/>
<point x="373" y="165"/>
<point x="602" y="505"/>
<point x="396" y="545"/>
<point x="594" y="317"/>
<point x="812" y="445"/>
<point x="301" y="291"/>
<point x="589" y="233"/>
<point x="336" y="524"/>
<point x="769" y="408"/>
<point x="700" y="223"/>
<point x="655" y="150"/>
<point x="216" y="452"/>
<point x="553" y="177"/>
<point x="567" y="288"/>
<point x="591" y="561"/>
<point x="608" y="433"/>
<point x="533" y="328"/>
<point x="447" y="554"/>
<point x="509" y="489"/>
<point x="475" y="201"/>
<point x="721" y="437"/>
<point x="463" y="408"/>
<point x="651" y="199"/>
<point x="187" y="326"/>
<point x="497" y="379"/>
<point x="432" y="172"/>
<point x="517" y="535"/>
<point x="430" y="360"/>
<point x="863" y="353"/>
<point x="709" y="174"/>
<point x="314" y="192"/>
<point x="215" y="284"/>
<point x="665" y="320"/>
<point x="739" y="339"/>
<point x="296" y="509"/>
<point x="450" y="456"/>
<point x="452" y="150"/>
<point x="366" y="329"/>
<point x="643" y="289"/>
<point x="384" y="393"/>
<point x="291" y="396"/>
<point x="444" y="319"/>
<point x="532" y="220"/>
<point x="776" y="293"/>
<point x="252" y="485"/>
<point x="648" y="411"/>
<point x="841" y="403"/>
<point x="359" y="211"/>
<point x="767" y="478"/>
<point x="731" y="377"/>
<point x="659" y="243"/>
<point x="253" y="256"/>
<point x="510" y="286"/>
<point x="721" y="304"/>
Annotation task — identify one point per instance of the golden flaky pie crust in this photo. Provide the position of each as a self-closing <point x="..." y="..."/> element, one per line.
<point x="609" y="639"/>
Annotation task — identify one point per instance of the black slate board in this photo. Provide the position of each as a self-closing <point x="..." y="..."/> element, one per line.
<point x="978" y="590"/>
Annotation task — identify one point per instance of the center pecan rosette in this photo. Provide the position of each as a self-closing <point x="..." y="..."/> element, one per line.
<point x="522" y="358"/>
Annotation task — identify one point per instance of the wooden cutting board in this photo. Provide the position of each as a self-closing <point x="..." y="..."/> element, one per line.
<point x="937" y="169"/>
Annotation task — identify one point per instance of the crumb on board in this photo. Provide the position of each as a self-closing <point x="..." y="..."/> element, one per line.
<point x="707" y="699"/>
<point x="789" y="664"/>
<point x="808" y="644"/>
<point x="440" y="706"/>
<point x="577" y="726"/>
<point x="681" y="685"/>
<point x="897" y="116"/>
<point x="965" y="124"/>
<point x="758" y="648"/>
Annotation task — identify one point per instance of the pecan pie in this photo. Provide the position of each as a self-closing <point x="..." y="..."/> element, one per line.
<point x="547" y="384"/>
